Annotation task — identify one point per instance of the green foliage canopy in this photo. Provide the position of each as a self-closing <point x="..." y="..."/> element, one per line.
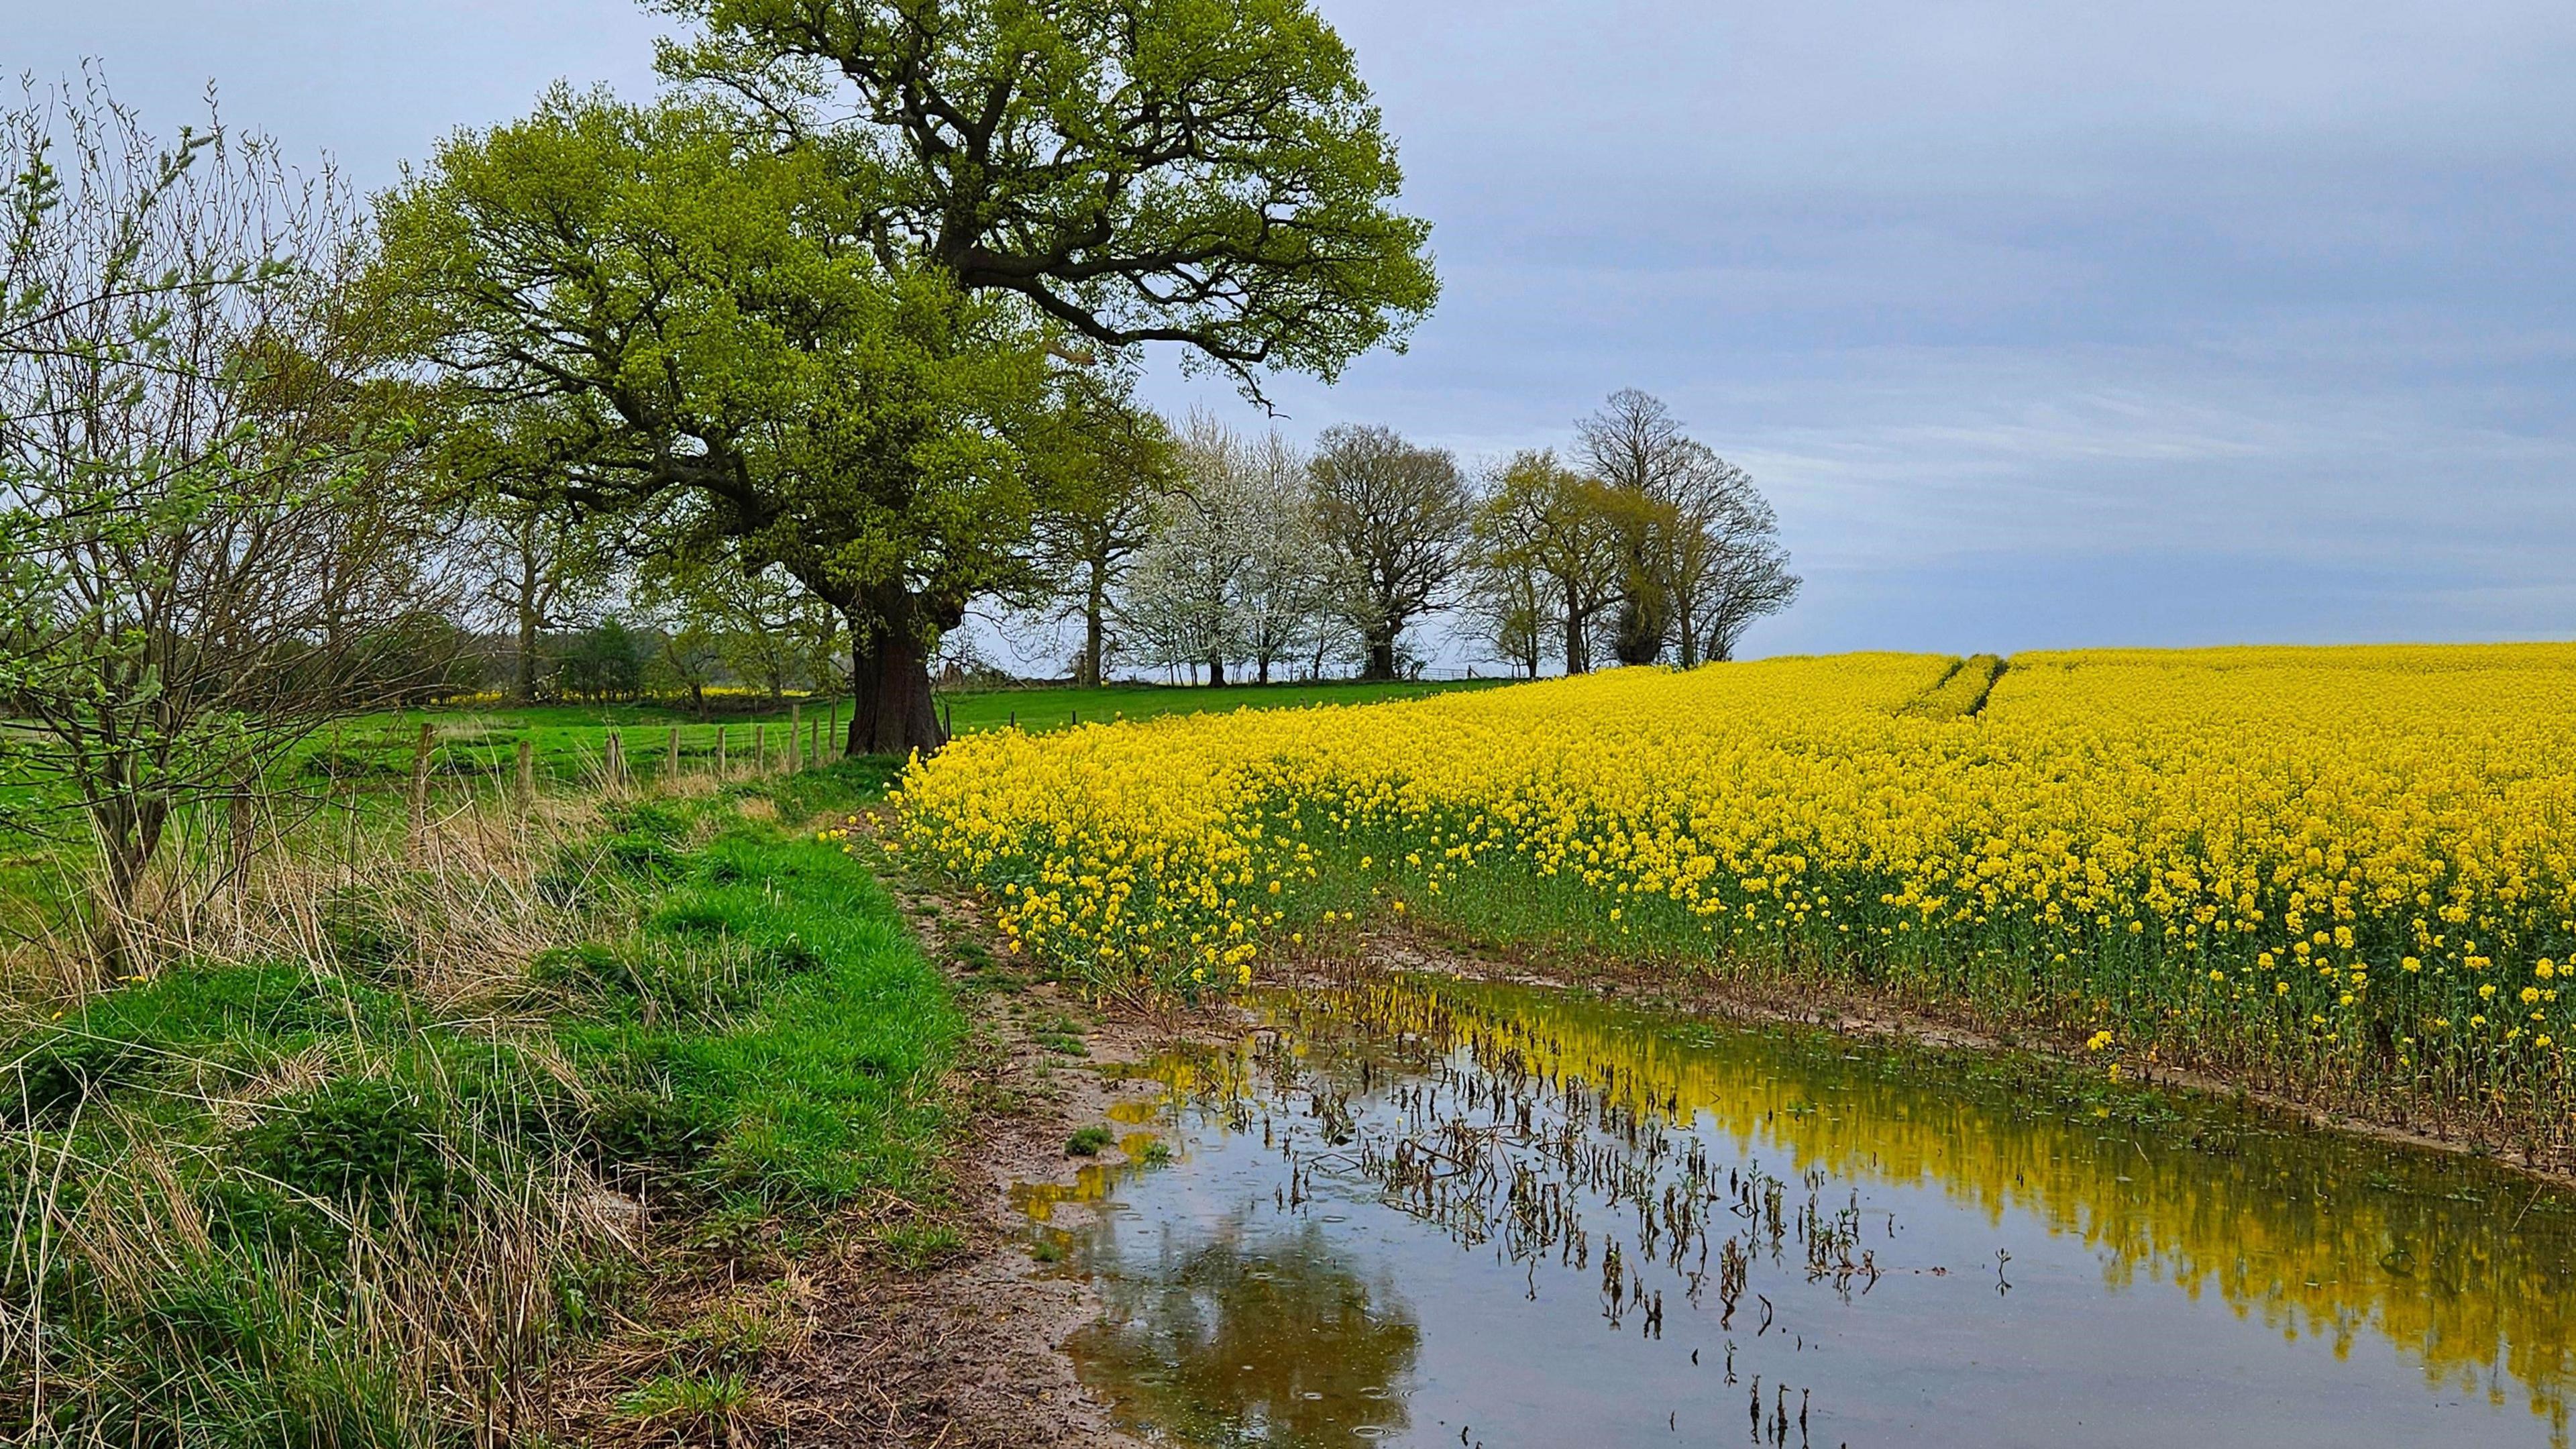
<point x="1211" y="173"/>
<point x="678" y="325"/>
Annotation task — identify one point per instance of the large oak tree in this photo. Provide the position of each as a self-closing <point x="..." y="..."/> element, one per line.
<point x="1133" y="171"/>
<point x="655" y="316"/>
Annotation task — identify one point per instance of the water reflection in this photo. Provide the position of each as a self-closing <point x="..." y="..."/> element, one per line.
<point x="1252" y="1336"/>
<point x="2314" y="1233"/>
<point x="1667" y="1225"/>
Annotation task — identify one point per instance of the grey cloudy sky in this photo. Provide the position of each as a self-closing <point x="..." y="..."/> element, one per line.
<point x="2044" y="324"/>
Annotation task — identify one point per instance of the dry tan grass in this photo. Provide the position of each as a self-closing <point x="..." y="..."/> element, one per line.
<point x="459" y="1323"/>
<point x="235" y="1103"/>
<point x="464" y="1321"/>
<point x="136" y="1225"/>
<point x="691" y="787"/>
<point x="458" y="897"/>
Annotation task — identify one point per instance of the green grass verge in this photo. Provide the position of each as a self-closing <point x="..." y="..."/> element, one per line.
<point x="777" y="1008"/>
<point x="344" y="1201"/>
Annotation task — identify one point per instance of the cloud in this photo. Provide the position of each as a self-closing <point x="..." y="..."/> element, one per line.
<point x="372" y="84"/>
<point x="2042" y="323"/>
<point x="2166" y="324"/>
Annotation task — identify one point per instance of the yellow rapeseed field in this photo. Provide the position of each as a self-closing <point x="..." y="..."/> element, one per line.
<point x="2314" y="866"/>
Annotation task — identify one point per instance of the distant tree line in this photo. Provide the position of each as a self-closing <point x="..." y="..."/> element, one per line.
<point x="1207" y="552"/>
<point x="1196" y="551"/>
<point x="616" y="658"/>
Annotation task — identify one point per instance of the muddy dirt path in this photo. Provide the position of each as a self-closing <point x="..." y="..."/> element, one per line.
<point x="966" y="1351"/>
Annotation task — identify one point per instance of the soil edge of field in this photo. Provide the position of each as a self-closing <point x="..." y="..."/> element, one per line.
<point x="969" y="1351"/>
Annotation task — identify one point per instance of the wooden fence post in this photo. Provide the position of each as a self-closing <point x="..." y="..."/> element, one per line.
<point x="616" y="759"/>
<point x="832" y="734"/>
<point x="760" y="747"/>
<point x="671" y="756"/>
<point x="416" y="839"/>
<point x="795" y="738"/>
<point x="243" y="825"/>
<point x="527" y="772"/>
<point x="723" y="732"/>
<point x="420" y="753"/>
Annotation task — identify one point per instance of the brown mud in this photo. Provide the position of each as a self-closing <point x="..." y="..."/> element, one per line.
<point x="967" y="1351"/>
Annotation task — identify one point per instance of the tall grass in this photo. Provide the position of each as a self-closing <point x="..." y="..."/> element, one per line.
<point x="390" y="1121"/>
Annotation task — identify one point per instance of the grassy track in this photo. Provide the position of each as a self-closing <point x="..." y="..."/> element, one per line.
<point x="1040" y="710"/>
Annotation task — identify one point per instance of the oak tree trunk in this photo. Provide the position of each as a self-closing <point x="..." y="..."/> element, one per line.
<point x="891" y="709"/>
<point x="1381" y="656"/>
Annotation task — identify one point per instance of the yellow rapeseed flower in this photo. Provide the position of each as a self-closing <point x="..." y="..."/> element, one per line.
<point x="2110" y="829"/>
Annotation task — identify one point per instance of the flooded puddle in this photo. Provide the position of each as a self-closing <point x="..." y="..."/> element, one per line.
<point x="1432" y="1213"/>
